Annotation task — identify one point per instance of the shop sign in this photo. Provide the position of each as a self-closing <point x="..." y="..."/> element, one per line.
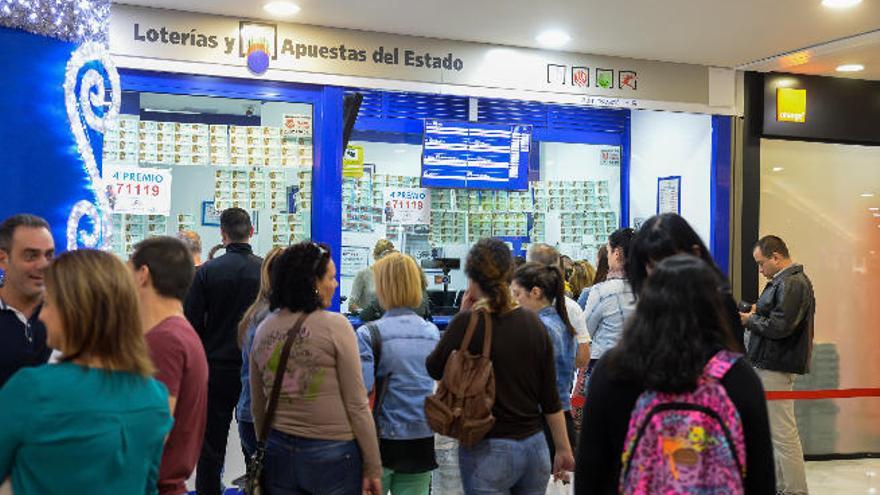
<point x="353" y="162"/>
<point x="407" y="206"/>
<point x="138" y="190"/>
<point x="791" y="105"/>
<point x="259" y="48"/>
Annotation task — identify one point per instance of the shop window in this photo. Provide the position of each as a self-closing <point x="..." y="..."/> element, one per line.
<point x="219" y="153"/>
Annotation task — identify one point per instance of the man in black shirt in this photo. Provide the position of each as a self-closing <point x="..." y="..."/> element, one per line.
<point x="26" y="248"/>
<point x="221" y="292"/>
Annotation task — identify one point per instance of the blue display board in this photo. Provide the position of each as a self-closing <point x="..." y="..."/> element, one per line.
<point x="474" y="155"/>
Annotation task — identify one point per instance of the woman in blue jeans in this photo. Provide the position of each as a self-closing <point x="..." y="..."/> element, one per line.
<point x="513" y="457"/>
<point x="406" y="441"/>
<point x="322" y="439"/>
<point x="541" y="289"/>
<point x="252" y="318"/>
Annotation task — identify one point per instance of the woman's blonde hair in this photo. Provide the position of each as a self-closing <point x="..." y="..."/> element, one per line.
<point x="97" y="301"/>
<point x="261" y="304"/>
<point x="583" y="275"/>
<point x="382" y="247"/>
<point x="398" y="281"/>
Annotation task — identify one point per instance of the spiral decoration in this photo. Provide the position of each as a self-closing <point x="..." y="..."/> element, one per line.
<point x="82" y="112"/>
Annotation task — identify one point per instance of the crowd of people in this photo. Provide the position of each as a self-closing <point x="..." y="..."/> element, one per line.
<point x="637" y="374"/>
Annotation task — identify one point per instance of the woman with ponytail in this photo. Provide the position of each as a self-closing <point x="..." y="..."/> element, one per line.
<point x="541" y="289"/>
<point x="513" y="456"/>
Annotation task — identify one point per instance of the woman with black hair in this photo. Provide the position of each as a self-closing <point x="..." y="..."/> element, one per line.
<point x="668" y="234"/>
<point x="541" y="289"/>
<point x="673" y="334"/>
<point x="322" y="438"/>
<point x="513" y="455"/>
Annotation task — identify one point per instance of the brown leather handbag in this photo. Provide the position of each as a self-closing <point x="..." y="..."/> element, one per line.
<point x="462" y="406"/>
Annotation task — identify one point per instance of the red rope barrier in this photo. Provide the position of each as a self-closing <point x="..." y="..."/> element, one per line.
<point x="846" y="393"/>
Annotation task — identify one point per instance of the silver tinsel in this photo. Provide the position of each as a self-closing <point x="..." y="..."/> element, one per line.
<point x="68" y="20"/>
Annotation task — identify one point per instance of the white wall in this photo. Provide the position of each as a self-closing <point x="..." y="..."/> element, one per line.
<point x="665" y="144"/>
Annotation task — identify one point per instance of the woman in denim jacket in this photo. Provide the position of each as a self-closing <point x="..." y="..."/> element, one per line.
<point x="541" y="289"/>
<point x="406" y="442"/>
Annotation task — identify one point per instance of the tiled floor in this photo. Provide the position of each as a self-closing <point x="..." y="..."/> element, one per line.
<point x="855" y="477"/>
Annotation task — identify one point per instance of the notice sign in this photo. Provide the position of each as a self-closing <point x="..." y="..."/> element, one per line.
<point x="353" y="162"/>
<point x="610" y="157"/>
<point x="296" y="126"/>
<point x="669" y="195"/>
<point x="138" y="191"/>
<point x="407" y="206"/>
<point x="354" y="259"/>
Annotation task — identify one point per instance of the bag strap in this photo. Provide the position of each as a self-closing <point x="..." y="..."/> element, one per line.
<point x="487" y="332"/>
<point x="279" y="377"/>
<point x="720" y="364"/>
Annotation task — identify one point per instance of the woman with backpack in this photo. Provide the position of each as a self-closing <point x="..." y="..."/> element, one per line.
<point x="672" y="409"/>
<point x="512" y="457"/>
<point x="541" y="289"/>
<point x="393" y="351"/>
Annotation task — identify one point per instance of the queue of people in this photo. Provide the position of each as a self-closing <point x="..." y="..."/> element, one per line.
<point x="643" y="387"/>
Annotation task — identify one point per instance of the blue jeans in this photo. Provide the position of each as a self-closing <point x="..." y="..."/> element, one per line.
<point x="248" y="437"/>
<point x="504" y="466"/>
<point x="300" y="466"/>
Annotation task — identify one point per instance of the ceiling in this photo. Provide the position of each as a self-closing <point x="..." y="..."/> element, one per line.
<point x="725" y="33"/>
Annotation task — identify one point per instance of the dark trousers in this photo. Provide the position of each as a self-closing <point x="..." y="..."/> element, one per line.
<point x="248" y="437"/>
<point x="224" y="387"/>
<point x="572" y="438"/>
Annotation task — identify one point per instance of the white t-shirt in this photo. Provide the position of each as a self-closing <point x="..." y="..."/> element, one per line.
<point x="576" y="317"/>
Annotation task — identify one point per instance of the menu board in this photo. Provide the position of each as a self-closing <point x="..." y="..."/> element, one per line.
<point x="473" y="155"/>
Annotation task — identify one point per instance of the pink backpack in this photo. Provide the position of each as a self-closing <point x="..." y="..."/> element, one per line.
<point x="688" y="443"/>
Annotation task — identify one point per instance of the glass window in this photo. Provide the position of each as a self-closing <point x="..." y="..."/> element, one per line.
<point x="573" y="202"/>
<point x="824" y="201"/>
<point x="221" y="153"/>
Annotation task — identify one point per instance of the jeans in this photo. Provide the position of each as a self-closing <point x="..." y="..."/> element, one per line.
<point x="505" y="466"/>
<point x="248" y="436"/>
<point x="788" y="453"/>
<point x="300" y="466"/>
<point x="224" y="387"/>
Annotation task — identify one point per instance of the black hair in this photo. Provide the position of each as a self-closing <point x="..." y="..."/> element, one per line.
<point x="770" y="244"/>
<point x="236" y="224"/>
<point x="622" y="238"/>
<point x="662" y="236"/>
<point x="677" y="326"/>
<point x="549" y="280"/>
<point x="295" y="274"/>
<point x="170" y="263"/>
<point x="7" y="228"/>
<point x="490" y="265"/>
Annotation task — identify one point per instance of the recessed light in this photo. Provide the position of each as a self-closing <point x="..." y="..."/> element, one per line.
<point x="281" y="9"/>
<point x="850" y="68"/>
<point x="553" y="38"/>
<point x="867" y="195"/>
<point x="840" y="4"/>
<point x="778" y="169"/>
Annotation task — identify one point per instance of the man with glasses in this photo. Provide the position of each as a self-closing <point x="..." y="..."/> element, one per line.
<point x="26" y="248"/>
<point x="221" y="292"/>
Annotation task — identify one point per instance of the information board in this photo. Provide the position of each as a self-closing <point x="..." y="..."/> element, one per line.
<point x="138" y="191"/>
<point x="407" y="206"/>
<point x="474" y="155"/>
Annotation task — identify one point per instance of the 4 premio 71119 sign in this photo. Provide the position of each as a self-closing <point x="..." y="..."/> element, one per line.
<point x="138" y="191"/>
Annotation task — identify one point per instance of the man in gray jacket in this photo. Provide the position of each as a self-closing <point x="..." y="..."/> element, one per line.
<point x="780" y="344"/>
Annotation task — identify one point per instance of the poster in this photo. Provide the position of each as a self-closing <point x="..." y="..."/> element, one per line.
<point x="138" y="190"/>
<point x="210" y="214"/>
<point x="407" y="206"/>
<point x="353" y="162"/>
<point x="354" y="259"/>
<point x="296" y="126"/>
<point x="669" y="194"/>
<point x="609" y="157"/>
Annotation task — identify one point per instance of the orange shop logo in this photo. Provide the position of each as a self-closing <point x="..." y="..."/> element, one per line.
<point x="791" y="105"/>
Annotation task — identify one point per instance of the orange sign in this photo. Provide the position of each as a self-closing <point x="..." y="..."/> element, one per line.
<point x="791" y="105"/>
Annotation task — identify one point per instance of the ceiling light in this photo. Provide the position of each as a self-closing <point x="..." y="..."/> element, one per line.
<point x="867" y="195"/>
<point x="873" y="208"/>
<point x="281" y="9"/>
<point x="553" y="38"/>
<point x="850" y="68"/>
<point x="399" y="150"/>
<point x="778" y="169"/>
<point x="876" y="215"/>
<point x="840" y="4"/>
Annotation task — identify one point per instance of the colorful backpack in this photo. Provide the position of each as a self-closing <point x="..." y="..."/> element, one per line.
<point x="688" y="443"/>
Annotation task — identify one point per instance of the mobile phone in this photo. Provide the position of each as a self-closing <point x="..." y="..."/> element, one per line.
<point x="744" y="307"/>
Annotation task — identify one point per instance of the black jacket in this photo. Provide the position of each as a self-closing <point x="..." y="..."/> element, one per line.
<point x="782" y="327"/>
<point x="221" y="292"/>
